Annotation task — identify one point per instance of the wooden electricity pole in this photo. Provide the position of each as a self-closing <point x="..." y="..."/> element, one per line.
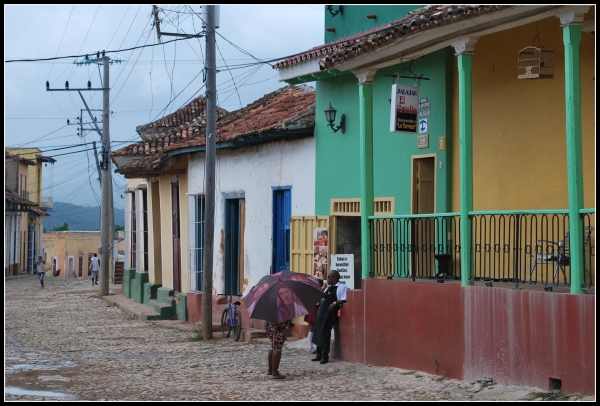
<point x="209" y="220"/>
<point x="107" y="229"/>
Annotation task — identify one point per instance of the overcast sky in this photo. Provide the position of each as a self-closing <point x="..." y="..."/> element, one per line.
<point x="147" y="84"/>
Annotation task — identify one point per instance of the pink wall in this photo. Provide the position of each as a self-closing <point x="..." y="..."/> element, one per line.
<point x="517" y="337"/>
<point x="523" y="337"/>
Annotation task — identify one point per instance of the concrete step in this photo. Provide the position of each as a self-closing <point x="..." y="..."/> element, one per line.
<point x="250" y="334"/>
<point x="164" y="309"/>
<point x="150" y="315"/>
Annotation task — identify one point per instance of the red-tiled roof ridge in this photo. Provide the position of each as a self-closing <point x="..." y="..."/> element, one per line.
<point x="186" y="116"/>
<point x="284" y="107"/>
<point x="271" y="112"/>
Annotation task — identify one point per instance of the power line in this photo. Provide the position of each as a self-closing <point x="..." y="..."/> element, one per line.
<point x="92" y="53"/>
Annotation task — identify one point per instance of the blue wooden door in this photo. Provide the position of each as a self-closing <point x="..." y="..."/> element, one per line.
<point x="282" y="210"/>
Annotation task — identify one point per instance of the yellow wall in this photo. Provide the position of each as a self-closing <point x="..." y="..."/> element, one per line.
<point x="167" y="229"/>
<point x="34" y="173"/>
<point x="519" y="133"/>
<point x="71" y="243"/>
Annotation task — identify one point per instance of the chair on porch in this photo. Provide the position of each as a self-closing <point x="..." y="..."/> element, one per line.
<point x="556" y="253"/>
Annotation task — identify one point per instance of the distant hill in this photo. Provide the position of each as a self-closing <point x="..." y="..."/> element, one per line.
<point x="79" y="218"/>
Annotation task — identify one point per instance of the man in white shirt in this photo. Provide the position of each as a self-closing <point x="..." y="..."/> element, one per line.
<point x="333" y="297"/>
<point x="40" y="269"/>
<point x="94" y="267"/>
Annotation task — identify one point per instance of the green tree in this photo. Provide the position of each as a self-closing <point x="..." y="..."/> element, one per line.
<point x="119" y="228"/>
<point x="64" y="227"/>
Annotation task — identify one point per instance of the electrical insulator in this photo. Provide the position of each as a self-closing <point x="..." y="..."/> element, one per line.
<point x="47" y="85"/>
<point x="67" y="84"/>
<point x="68" y="121"/>
<point x="89" y="84"/>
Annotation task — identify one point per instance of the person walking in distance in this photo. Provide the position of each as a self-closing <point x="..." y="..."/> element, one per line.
<point x="40" y="269"/>
<point x="333" y="297"/>
<point x="94" y="267"/>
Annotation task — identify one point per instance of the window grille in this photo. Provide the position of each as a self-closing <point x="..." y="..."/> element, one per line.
<point x="351" y="207"/>
<point x="345" y="207"/>
<point x="142" y="238"/>
<point x="196" y="247"/>
<point x="383" y="206"/>
<point x="80" y="266"/>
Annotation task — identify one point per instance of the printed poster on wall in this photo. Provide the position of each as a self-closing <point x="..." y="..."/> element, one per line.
<point x="320" y="245"/>
<point x="344" y="264"/>
<point x="405" y="106"/>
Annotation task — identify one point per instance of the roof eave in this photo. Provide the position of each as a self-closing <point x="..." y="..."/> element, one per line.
<point x="431" y="40"/>
<point x="291" y="132"/>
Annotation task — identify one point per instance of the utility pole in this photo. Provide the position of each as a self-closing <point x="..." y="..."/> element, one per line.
<point x="106" y="233"/>
<point x="106" y="210"/>
<point x="209" y="223"/>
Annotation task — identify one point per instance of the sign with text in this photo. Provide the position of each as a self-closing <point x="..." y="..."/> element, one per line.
<point x="405" y="104"/>
<point x="344" y="264"/>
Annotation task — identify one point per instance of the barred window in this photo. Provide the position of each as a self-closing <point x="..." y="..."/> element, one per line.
<point x="196" y="247"/>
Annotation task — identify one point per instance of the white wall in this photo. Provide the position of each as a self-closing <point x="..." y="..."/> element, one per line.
<point x="254" y="171"/>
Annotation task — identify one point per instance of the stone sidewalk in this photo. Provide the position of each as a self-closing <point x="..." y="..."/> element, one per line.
<point x="65" y="342"/>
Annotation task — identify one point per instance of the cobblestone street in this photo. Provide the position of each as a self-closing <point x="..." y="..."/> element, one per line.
<point x="66" y="343"/>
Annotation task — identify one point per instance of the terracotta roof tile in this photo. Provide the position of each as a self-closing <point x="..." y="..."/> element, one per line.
<point x="18" y="200"/>
<point x="290" y="106"/>
<point x="422" y="19"/>
<point x="39" y="211"/>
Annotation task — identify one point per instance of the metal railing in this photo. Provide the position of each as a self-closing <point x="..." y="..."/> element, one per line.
<point x="417" y="247"/>
<point x="519" y="248"/>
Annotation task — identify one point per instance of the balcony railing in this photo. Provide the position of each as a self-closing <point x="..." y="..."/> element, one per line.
<point x="518" y="248"/>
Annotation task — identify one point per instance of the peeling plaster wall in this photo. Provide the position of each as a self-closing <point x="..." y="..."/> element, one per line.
<point x="253" y="172"/>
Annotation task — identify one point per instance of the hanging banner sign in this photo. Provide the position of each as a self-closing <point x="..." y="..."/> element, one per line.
<point x="405" y="104"/>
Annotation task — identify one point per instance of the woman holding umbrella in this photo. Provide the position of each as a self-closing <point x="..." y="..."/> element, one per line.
<point x="278" y="298"/>
<point x="277" y="333"/>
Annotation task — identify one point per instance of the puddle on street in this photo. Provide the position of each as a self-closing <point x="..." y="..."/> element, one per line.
<point x="33" y="367"/>
<point x="11" y="390"/>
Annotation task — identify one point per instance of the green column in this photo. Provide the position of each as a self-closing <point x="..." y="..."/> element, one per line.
<point x="572" y="39"/>
<point x="365" y="94"/>
<point x="465" y="64"/>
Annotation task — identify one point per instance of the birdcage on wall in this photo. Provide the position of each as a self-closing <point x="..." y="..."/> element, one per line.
<point x="536" y="63"/>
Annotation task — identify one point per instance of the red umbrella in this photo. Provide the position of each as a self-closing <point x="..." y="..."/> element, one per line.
<point x="282" y="296"/>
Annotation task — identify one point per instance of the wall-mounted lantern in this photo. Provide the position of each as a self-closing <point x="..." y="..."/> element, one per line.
<point x="330" y="116"/>
<point x="340" y="10"/>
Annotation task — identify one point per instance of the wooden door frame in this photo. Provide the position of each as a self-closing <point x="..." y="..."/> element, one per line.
<point x="240" y="243"/>
<point x="413" y="158"/>
<point x="276" y="189"/>
<point x="176" y="226"/>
